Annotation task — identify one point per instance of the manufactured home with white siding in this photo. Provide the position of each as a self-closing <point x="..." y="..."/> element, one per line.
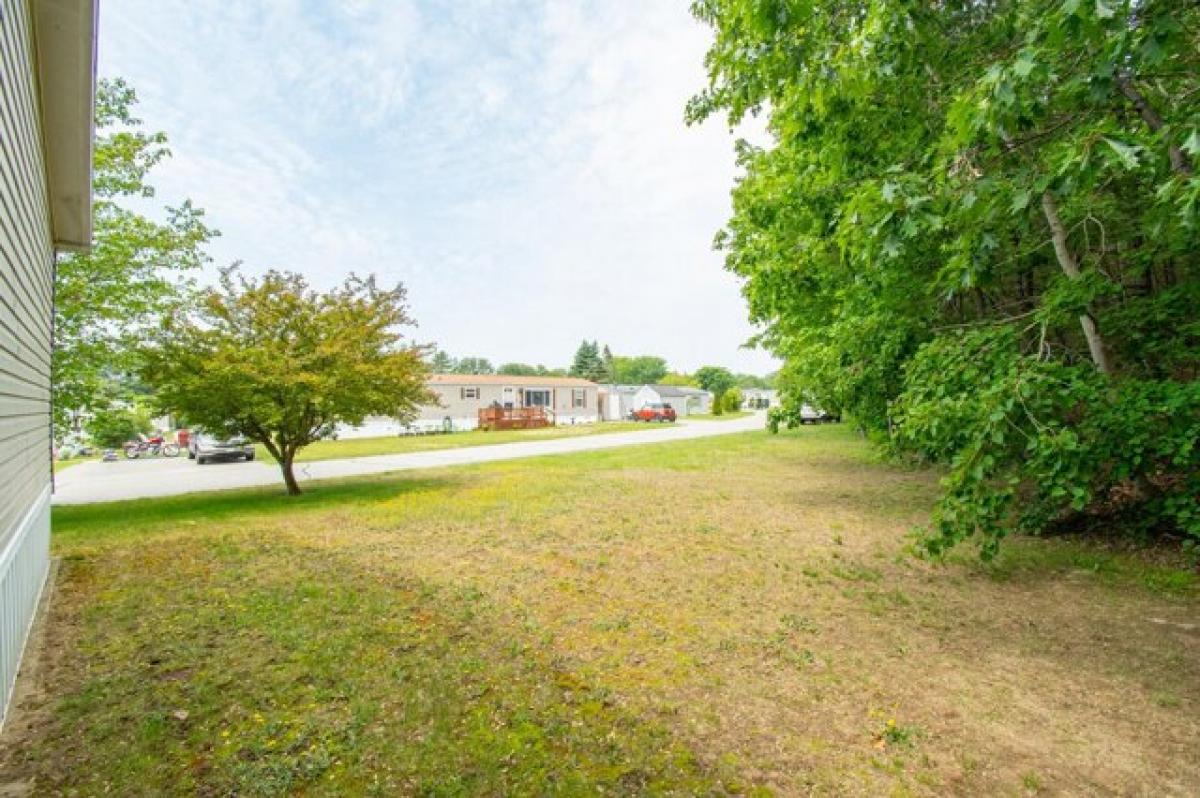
<point x="566" y="400"/>
<point x="460" y="397"/>
<point x="47" y="84"/>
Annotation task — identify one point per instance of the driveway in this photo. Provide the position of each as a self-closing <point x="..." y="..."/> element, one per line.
<point x="138" y="479"/>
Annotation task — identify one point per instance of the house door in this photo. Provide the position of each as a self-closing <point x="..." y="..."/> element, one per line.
<point x="509" y="397"/>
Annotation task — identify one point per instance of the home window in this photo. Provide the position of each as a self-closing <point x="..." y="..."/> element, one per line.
<point x="578" y="397"/>
<point x="470" y="393"/>
<point x="537" y="398"/>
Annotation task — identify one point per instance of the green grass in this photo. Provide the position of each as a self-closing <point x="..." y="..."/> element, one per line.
<point x="1114" y="566"/>
<point x="398" y="444"/>
<point x="738" y="614"/>
<point x="61" y="465"/>
<point x="723" y="417"/>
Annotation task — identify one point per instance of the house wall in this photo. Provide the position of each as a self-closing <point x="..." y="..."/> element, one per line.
<point x="645" y="396"/>
<point x="700" y="403"/>
<point x="617" y="405"/>
<point x="26" y="296"/>
<point x="372" y="427"/>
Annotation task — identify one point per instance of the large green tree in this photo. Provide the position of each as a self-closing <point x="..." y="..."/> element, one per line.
<point x="638" y="369"/>
<point x="589" y="363"/>
<point x="473" y="365"/>
<point x="975" y="231"/>
<point x="274" y="361"/>
<point x="137" y="269"/>
<point x="716" y="379"/>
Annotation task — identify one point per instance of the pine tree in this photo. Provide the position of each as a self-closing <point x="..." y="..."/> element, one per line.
<point x="606" y="361"/>
<point x="588" y="363"/>
<point x="441" y="363"/>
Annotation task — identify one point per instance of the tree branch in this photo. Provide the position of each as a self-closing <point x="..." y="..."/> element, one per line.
<point x="1070" y="267"/>
<point x="1180" y="163"/>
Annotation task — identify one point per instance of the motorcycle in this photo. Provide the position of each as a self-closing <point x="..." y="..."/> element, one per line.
<point x="150" y="447"/>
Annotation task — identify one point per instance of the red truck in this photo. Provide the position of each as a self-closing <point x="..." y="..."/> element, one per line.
<point x="654" y="412"/>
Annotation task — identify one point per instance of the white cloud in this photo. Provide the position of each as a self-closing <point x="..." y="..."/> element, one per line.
<point x="523" y="167"/>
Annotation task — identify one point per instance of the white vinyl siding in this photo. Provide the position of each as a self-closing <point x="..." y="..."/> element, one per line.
<point x="26" y="277"/>
<point x="26" y="295"/>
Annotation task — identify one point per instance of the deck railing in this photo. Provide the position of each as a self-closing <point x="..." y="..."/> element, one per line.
<point x="513" y="417"/>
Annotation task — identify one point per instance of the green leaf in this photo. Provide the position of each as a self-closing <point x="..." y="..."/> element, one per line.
<point x="1104" y="10"/>
<point x="1126" y="152"/>
<point x="1191" y="144"/>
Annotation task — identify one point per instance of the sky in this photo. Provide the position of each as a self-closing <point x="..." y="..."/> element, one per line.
<point x="522" y="166"/>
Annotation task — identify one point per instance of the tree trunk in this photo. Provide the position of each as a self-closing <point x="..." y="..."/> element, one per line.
<point x="289" y="477"/>
<point x="1070" y="267"/>
<point x="1180" y="163"/>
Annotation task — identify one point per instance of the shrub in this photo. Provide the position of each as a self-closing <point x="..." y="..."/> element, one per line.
<point x="112" y="426"/>
<point x="1036" y="444"/>
<point x="732" y="400"/>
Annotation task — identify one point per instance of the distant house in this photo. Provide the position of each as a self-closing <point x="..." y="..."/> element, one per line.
<point x="685" y="399"/>
<point x="48" y="82"/>
<point x="759" y="398"/>
<point x="616" y="401"/>
<point x="567" y="400"/>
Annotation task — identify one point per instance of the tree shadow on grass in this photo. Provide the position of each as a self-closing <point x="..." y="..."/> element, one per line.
<point x="94" y="522"/>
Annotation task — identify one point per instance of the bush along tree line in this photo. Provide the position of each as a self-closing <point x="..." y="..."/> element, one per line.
<point x="281" y="364"/>
<point x="1006" y="280"/>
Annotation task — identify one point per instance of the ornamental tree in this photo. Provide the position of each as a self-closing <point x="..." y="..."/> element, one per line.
<point x="281" y="364"/>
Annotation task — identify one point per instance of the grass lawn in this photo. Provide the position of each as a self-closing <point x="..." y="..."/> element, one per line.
<point x="728" y="416"/>
<point x="738" y="614"/>
<point x="397" y="444"/>
<point x="60" y="465"/>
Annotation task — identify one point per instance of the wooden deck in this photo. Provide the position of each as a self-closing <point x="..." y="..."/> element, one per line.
<point x="513" y="418"/>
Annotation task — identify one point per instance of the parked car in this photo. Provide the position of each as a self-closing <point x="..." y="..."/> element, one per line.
<point x="813" y="415"/>
<point x="204" y="448"/>
<point x="654" y="412"/>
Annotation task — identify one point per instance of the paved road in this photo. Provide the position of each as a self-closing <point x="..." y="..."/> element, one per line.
<point x="137" y="479"/>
